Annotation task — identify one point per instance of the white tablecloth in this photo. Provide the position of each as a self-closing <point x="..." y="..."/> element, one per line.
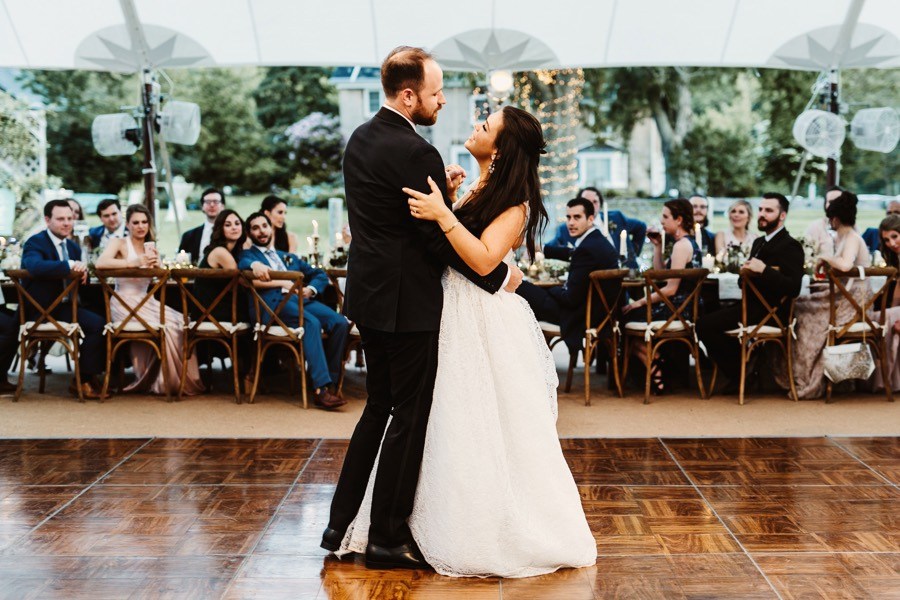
<point x="730" y="290"/>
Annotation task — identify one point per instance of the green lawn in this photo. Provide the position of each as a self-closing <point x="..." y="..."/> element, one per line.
<point x="299" y="221"/>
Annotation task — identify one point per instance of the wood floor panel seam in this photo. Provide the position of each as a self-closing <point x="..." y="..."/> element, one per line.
<point x="862" y="462"/>
<point x="722" y="521"/>
<point x="76" y="496"/>
<point x="262" y="534"/>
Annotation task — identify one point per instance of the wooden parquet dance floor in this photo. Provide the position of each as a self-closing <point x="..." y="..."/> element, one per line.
<point x="673" y="518"/>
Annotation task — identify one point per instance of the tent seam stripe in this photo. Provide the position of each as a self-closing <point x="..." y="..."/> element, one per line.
<point x="12" y="26"/>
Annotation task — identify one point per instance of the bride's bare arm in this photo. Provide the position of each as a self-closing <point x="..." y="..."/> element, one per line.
<point x="481" y="254"/>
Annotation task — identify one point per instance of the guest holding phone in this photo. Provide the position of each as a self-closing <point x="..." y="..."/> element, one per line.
<point x="138" y="250"/>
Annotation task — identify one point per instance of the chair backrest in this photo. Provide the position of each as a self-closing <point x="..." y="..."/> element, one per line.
<point x="39" y="313"/>
<point x="261" y="309"/>
<point x="686" y="312"/>
<point x="158" y="278"/>
<point x="335" y="276"/>
<point x="606" y="285"/>
<point x="197" y="310"/>
<point x="839" y="292"/>
<point x="751" y="293"/>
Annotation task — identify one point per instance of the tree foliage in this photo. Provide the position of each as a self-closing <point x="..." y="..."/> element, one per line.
<point x="73" y="99"/>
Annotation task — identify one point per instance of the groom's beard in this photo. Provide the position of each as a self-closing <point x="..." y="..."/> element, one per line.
<point x="422" y="117"/>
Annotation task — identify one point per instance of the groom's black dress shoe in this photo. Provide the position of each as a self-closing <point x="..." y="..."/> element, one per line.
<point x="331" y="539"/>
<point x="406" y="556"/>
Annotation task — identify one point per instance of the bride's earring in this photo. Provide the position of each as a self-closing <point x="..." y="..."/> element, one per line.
<point x="493" y="160"/>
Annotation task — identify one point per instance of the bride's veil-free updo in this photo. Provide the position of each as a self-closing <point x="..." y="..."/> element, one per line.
<point x="514" y="181"/>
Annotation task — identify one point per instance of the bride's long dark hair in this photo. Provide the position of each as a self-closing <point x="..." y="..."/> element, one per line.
<point x="514" y="181"/>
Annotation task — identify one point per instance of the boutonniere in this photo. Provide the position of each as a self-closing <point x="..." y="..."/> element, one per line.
<point x="288" y="260"/>
<point x="612" y="226"/>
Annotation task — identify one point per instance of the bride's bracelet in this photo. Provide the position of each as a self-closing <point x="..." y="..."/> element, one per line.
<point x="449" y="229"/>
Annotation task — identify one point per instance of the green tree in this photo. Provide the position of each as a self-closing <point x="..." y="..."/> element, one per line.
<point x="73" y="99"/>
<point x="285" y="96"/>
<point x="232" y="149"/>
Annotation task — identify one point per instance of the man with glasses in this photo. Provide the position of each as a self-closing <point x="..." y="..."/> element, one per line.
<point x="194" y="241"/>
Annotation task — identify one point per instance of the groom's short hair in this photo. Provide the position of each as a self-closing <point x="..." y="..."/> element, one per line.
<point x="257" y="215"/>
<point x="403" y="68"/>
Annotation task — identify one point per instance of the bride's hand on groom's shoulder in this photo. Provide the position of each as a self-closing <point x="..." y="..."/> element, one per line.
<point x="430" y="207"/>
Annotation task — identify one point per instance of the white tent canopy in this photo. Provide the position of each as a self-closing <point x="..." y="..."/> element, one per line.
<point x="465" y="34"/>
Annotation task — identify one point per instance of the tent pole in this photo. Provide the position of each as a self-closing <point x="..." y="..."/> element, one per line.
<point x="831" y="175"/>
<point x="149" y="168"/>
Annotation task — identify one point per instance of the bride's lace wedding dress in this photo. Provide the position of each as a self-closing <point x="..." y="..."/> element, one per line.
<point x="495" y="495"/>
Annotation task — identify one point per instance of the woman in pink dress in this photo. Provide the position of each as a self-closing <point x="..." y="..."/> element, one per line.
<point x="132" y="252"/>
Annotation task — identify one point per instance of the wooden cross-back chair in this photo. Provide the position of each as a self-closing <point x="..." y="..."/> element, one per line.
<point x="861" y="327"/>
<point x="354" y="339"/>
<point x="270" y="330"/>
<point x="679" y="327"/>
<point x="38" y="326"/>
<point x="607" y="329"/>
<point x="770" y="328"/>
<point x="201" y="325"/>
<point x="134" y="328"/>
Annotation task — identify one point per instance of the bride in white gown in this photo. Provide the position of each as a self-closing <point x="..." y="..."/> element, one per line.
<point x="495" y="495"/>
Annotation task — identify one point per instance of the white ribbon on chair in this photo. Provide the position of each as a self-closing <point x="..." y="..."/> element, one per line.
<point x="70" y="328"/>
<point x="298" y="331"/>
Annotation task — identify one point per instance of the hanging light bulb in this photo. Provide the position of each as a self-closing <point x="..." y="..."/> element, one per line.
<point x="501" y="82"/>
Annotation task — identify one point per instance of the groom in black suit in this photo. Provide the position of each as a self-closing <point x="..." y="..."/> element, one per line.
<point x="395" y="297"/>
<point x="777" y="260"/>
<point x="565" y="305"/>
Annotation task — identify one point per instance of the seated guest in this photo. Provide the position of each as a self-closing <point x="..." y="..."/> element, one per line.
<point x="9" y="344"/>
<point x="813" y="312"/>
<point x="740" y="215"/>
<point x="223" y="252"/>
<point x="819" y="231"/>
<point x="276" y="209"/>
<point x="112" y="226"/>
<point x="700" y="204"/>
<point x="131" y="252"/>
<point x="324" y="358"/>
<point x="890" y="244"/>
<point x="565" y="305"/>
<point x="194" y="241"/>
<point x="76" y="209"/>
<point x="872" y="235"/>
<point x="777" y="260"/>
<point x="636" y="230"/>
<point x="678" y="223"/>
<point x="49" y="256"/>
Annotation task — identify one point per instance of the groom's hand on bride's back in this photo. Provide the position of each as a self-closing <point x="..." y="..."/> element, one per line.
<point x="515" y="279"/>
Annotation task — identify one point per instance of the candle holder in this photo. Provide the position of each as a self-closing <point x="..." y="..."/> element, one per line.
<point x="315" y="257"/>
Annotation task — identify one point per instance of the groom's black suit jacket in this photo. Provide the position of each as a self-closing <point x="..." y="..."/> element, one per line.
<point x="396" y="261"/>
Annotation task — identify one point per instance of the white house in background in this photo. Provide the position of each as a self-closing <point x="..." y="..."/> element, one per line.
<point x="640" y="167"/>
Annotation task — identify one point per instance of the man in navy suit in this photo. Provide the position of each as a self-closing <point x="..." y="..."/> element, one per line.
<point x="565" y="305"/>
<point x="110" y="213"/>
<point x="635" y="230"/>
<point x="194" y="241"/>
<point x="48" y="257"/>
<point x="324" y="358"/>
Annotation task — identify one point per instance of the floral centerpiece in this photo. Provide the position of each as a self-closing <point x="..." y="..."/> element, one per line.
<point x="731" y="259"/>
<point x="10" y="254"/>
<point x="337" y="258"/>
<point x="810" y="255"/>
<point x="544" y="269"/>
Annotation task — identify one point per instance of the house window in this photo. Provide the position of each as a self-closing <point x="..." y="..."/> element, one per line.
<point x="479" y="108"/>
<point x="460" y="156"/>
<point x="596" y="170"/>
<point x="373" y="102"/>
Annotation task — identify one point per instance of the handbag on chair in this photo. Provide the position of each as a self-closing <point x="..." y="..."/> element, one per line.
<point x="848" y="361"/>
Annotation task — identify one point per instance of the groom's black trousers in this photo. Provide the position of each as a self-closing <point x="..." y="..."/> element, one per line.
<point x="401" y="368"/>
